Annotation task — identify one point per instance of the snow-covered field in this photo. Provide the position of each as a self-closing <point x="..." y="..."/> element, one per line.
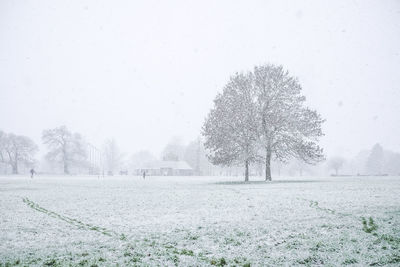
<point x="163" y="221"/>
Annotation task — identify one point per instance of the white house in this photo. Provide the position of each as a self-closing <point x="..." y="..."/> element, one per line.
<point x="166" y="168"/>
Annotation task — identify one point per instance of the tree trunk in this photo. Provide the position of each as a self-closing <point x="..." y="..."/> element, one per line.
<point x="246" y="171"/>
<point x="66" y="171"/>
<point x="268" y="166"/>
<point x="65" y="159"/>
<point x="15" y="168"/>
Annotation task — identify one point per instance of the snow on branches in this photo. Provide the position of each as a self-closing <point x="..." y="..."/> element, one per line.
<point x="260" y="115"/>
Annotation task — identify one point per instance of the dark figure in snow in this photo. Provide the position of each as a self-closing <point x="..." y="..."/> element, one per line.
<point x="32" y="171"/>
<point x="144" y="174"/>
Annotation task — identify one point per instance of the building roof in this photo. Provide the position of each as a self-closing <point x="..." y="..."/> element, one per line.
<point x="168" y="164"/>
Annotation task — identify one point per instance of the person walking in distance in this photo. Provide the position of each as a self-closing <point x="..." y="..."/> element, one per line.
<point x="32" y="171"/>
<point x="144" y="175"/>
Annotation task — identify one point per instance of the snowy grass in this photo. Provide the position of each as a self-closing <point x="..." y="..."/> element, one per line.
<point x="195" y="221"/>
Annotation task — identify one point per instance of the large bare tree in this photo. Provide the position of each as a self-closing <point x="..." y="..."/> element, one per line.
<point x="65" y="147"/>
<point x="288" y="129"/>
<point x="262" y="115"/>
<point x="230" y="129"/>
<point x="2" y="146"/>
<point x="113" y="155"/>
<point x="336" y="163"/>
<point x="17" y="150"/>
<point x="196" y="157"/>
<point x="174" y="150"/>
<point x="375" y="160"/>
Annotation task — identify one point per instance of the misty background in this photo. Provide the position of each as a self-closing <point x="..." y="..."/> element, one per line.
<point x="147" y="72"/>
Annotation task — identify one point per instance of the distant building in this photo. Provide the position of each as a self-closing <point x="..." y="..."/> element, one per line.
<point x="166" y="168"/>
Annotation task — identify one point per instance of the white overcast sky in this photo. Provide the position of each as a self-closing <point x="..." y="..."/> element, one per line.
<point x="144" y="71"/>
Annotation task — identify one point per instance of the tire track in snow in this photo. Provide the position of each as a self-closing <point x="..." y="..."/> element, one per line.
<point x="315" y="205"/>
<point x="72" y="221"/>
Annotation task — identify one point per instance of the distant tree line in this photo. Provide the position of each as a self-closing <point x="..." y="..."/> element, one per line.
<point x="65" y="149"/>
<point x="69" y="153"/>
<point x="260" y="116"/>
<point x="376" y="161"/>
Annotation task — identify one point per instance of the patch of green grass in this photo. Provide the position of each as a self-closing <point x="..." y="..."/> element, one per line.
<point x="318" y="247"/>
<point x="311" y="260"/>
<point x="10" y="263"/>
<point x="83" y="262"/>
<point x="392" y="259"/>
<point x="229" y="240"/>
<point x="136" y="257"/>
<point x="202" y="257"/>
<point x="218" y="262"/>
<point x="369" y="226"/>
<point x="240" y="261"/>
<point x="187" y="252"/>
<point x="243" y="234"/>
<point x="184" y="251"/>
<point x="32" y="261"/>
<point x="349" y="261"/>
<point x="293" y="244"/>
<point x="193" y="237"/>
<point x="390" y="239"/>
<point x="50" y="262"/>
<point x="174" y="258"/>
<point x="6" y="264"/>
<point x="127" y="254"/>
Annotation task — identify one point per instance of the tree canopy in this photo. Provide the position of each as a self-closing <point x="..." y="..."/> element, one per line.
<point x="65" y="147"/>
<point x="17" y="150"/>
<point x="262" y="115"/>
